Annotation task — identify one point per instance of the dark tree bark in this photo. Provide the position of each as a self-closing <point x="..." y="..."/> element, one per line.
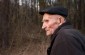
<point x="4" y="23"/>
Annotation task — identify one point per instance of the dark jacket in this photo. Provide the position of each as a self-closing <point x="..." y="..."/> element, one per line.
<point x="67" y="41"/>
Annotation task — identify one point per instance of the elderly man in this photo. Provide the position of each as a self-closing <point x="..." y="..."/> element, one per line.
<point x="65" y="40"/>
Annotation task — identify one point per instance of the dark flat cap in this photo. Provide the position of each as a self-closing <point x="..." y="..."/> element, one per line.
<point x="55" y="10"/>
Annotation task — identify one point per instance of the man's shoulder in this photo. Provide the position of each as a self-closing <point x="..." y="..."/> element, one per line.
<point x="71" y="33"/>
<point x="66" y="31"/>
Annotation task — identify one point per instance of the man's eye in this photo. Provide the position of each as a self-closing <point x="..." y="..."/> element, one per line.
<point x="46" y="20"/>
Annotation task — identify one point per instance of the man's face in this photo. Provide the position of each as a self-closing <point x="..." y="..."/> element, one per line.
<point x="50" y="23"/>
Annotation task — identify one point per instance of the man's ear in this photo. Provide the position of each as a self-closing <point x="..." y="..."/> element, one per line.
<point x="59" y="20"/>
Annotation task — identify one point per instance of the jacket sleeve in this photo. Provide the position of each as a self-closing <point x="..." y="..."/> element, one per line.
<point x="66" y="44"/>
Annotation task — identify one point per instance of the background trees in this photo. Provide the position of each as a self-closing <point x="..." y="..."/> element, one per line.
<point x="20" y="24"/>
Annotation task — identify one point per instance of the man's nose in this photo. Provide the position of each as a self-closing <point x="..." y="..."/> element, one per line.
<point x="43" y="26"/>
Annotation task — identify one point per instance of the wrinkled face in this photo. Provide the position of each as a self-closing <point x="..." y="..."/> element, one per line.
<point x="50" y="23"/>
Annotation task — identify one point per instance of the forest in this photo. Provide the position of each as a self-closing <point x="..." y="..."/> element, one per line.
<point x="20" y="24"/>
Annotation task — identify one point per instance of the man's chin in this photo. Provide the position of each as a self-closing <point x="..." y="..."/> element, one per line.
<point x="48" y="34"/>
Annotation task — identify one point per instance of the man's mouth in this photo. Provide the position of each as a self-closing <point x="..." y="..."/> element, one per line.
<point x="46" y="30"/>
